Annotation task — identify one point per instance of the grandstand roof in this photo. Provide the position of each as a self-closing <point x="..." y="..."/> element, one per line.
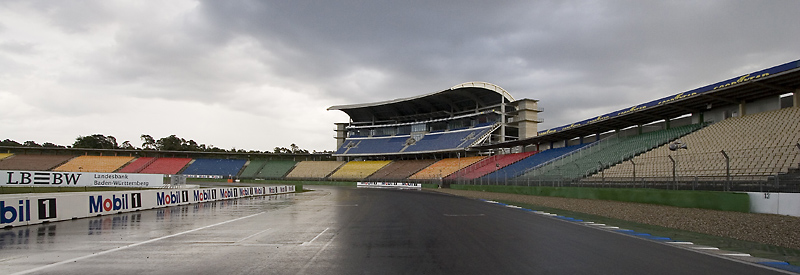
<point x="773" y="81"/>
<point x="462" y="97"/>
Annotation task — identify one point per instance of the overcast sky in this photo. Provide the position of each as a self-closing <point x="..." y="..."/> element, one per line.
<point x="260" y="74"/>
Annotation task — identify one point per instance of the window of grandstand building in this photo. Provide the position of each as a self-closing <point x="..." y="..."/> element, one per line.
<point x="419" y="127"/>
<point x="404" y="130"/>
<point x="459" y="124"/>
<point x="385" y="131"/>
<point x="438" y="126"/>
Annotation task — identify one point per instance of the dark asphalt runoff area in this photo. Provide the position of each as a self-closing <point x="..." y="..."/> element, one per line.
<point x="343" y="230"/>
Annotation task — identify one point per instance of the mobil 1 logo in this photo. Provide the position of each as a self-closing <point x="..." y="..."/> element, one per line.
<point x="47" y="208"/>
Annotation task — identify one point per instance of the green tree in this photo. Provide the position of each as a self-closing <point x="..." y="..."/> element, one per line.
<point x="148" y="142"/>
<point x="96" y="141"/>
<point x="9" y="142"/>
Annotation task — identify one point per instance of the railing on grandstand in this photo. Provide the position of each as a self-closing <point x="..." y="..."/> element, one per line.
<point x="760" y="169"/>
<point x="577" y="153"/>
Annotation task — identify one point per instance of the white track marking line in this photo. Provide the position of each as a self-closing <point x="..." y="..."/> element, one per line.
<point x="259" y="232"/>
<point x="706" y="248"/>
<point x="314" y="258"/>
<point x="315" y="238"/>
<point x="129" y="246"/>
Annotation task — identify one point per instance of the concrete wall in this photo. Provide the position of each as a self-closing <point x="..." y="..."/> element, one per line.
<point x="775" y="203"/>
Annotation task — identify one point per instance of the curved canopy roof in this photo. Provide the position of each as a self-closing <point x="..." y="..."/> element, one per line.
<point x="460" y="98"/>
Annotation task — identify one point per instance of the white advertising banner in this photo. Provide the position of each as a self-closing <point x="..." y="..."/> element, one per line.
<point x="56" y="179"/>
<point x="32" y="208"/>
<point x="396" y="185"/>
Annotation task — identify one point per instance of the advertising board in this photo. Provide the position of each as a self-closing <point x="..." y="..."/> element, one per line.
<point x="33" y="208"/>
<point x="56" y="179"/>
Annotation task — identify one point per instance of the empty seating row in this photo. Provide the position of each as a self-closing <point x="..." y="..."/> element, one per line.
<point x="358" y="170"/>
<point x="430" y="142"/>
<point x="400" y="169"/>
<point x="756" y="145"/>
<point x="313" y="169"/>
<point x="276" y="169"/>
<point x="609" y="152"/>
<point x="33" y="162"/>
<point x="519" y="168"/>
<point x="489" y="165"/>
<point x="102" y="164"/>
<point x="448" y="140"/>
<point x="444" y="168"/>
<point x="215" y="167"/>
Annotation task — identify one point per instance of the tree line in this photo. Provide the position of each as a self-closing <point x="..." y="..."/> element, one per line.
<point x="170" y="143"/>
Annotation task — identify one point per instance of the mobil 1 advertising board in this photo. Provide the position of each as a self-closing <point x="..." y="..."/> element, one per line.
<point x="61" y="179"/>
<point x="33" y="208"/>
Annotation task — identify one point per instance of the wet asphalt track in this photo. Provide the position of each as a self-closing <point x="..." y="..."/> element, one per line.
<point x="341" y="230"/>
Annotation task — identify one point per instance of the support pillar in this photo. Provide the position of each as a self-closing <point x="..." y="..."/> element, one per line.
<point x="796" y="100"/>
<point x="503" y="118"/>
<point x="742" y="108"/>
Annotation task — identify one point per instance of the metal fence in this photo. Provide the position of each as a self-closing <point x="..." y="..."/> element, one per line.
<point x="756" y="169"/>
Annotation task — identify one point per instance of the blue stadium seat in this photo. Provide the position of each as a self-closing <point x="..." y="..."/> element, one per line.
<point x="216" y="167"/>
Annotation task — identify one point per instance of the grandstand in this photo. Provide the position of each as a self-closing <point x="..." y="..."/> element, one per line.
<point x="488" y="165"/>
<point x="33" y="162"/>
<point x="519" y="168"/>
<point x="167" y="166"/>
<point x="137" y="165"/>
<point x="314" y="170"/>
<point x="605" y="153"/>
<point x="103" y="164"/>
<point x="276" y="169"/>
<point x="444" y="123"/>
<point x="267" y="169"/>
<point x="743" y="128"/>
<point x="358" y="170"/>
<point x="444" y="168"/>
<point x="400" y="170"/>
<point x="215" y="167"/>
<point x="760" y="144"/>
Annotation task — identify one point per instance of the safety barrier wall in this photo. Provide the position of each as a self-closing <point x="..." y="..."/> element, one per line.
<point x="775" y="203"/>
<point x="395" y="185"/>
<point x="33" y="208"/>
<point x="60" y="179"/>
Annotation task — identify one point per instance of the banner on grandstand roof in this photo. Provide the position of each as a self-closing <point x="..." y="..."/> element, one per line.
<point x="59" y="179"/>
<point x="692" y="93"/>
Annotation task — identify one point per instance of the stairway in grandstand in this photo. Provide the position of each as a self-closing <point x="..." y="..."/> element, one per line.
<point x="606" y="153"/>
<point x="760" y="144"/>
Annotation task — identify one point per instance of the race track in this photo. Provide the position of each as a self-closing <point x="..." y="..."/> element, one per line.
<point x="343" y="230"/>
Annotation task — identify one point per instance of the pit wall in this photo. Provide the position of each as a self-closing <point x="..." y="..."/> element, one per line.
<point x="775" y="203"/>
<point x="33" y="208"/>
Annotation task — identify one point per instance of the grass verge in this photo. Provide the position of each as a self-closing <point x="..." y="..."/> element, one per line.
<point x="789" y="255"/>
<point x="725" y="201"/>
